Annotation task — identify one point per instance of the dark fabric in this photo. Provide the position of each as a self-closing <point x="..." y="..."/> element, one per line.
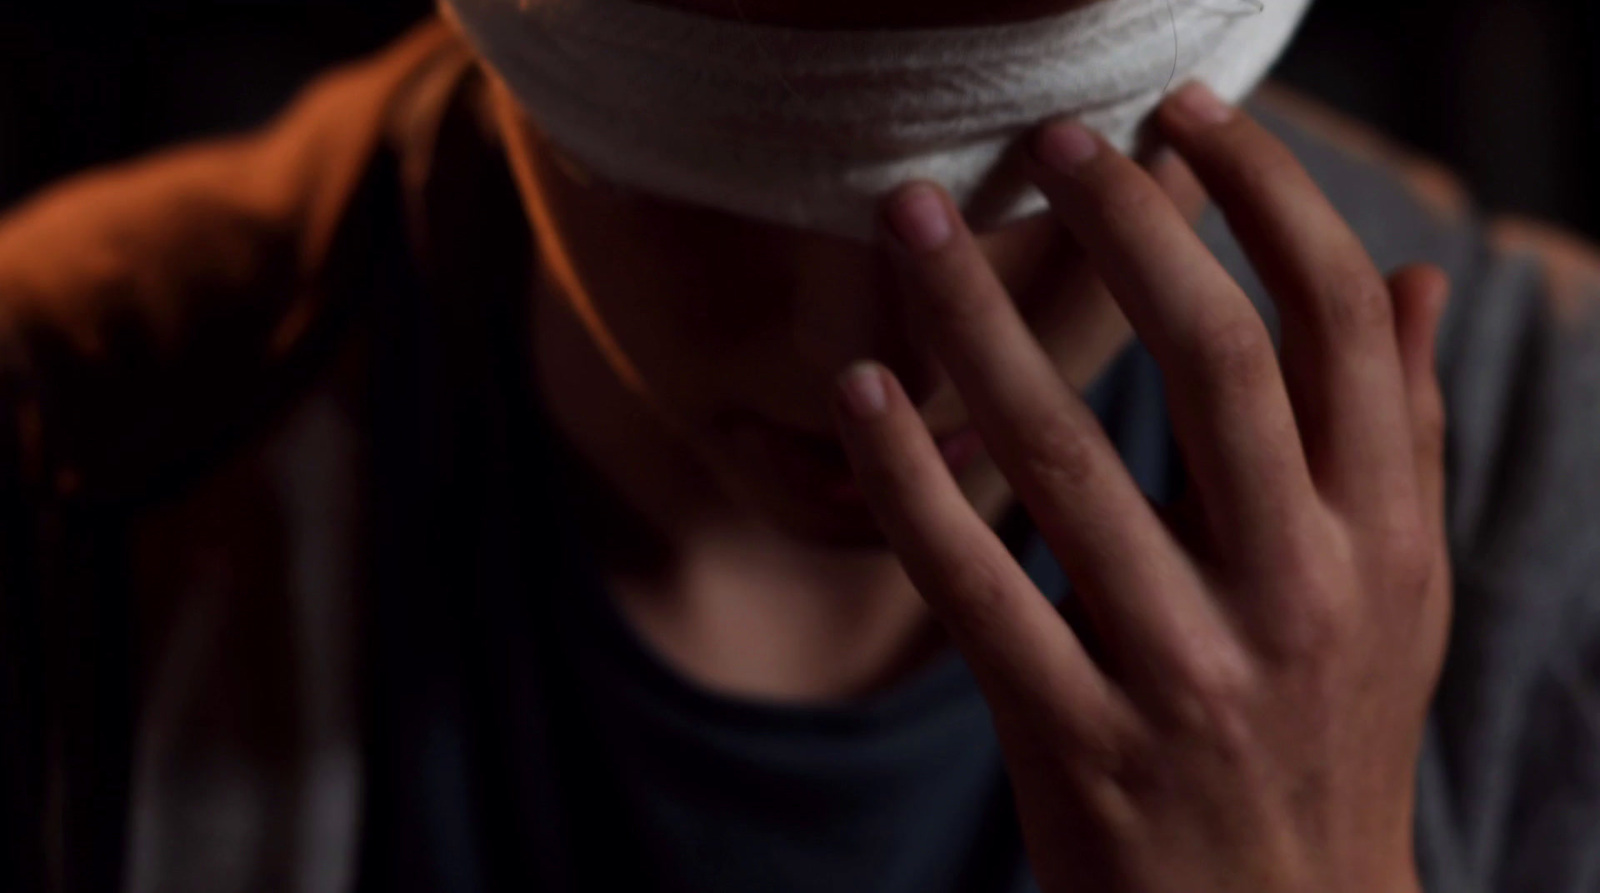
<point x="902" y="792"/>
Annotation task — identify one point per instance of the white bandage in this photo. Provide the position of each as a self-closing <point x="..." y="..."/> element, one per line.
<point x="810" y="128"/>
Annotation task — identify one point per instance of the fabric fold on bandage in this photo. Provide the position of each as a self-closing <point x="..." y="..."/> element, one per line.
<point x="811" y="128"/>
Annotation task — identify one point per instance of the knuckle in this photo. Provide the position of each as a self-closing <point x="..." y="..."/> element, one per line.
<point x="1396" y="551"/>
<point x="976" y="591"/>
<point x="1213" y="697"/>
<point x="1236" y="355"/>
<point x="1358" y="304"/>
<point x="1058" y="455"/>
<point x="1111" y="748"/>
<point x="1322" y="615"/>
<point x="1316" y="630"/>
<point x="1407" y="556"/>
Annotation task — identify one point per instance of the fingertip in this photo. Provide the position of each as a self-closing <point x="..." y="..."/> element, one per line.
<point x="1195" y="106"/>
<point x="1425" y="287"/>
<point x="1063" y="146"/>
<point x="919" y="216"/>
<point x="1425" y="279"/>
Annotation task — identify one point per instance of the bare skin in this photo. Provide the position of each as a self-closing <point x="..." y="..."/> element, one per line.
<point x="746" y="585"/>
<point x="744" y="579"/>
<point x="1273" y="641"/>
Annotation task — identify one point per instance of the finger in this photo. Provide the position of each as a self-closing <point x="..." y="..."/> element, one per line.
<point x="1023" y="653"/>
<point x="1421" y="293"/>
<point x="1049" y="445"/>
<point x="1178" y="181"/>
<point x="1230" y="408"/>
<point x="1339" y="353"/>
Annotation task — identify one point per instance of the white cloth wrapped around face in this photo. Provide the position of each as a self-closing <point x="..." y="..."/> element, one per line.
<point x="810" y="128"/>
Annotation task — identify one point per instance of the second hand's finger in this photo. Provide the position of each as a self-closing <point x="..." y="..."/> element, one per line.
<point x="1025" y="656"/>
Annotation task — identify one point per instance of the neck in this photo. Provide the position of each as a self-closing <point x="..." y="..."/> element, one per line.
<point x="730" y="602"/>
<point x="724" y="598"/>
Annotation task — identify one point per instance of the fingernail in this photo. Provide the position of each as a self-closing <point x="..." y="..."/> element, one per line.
<point x="919" y="218"/>
<point x="864" y="393"/>
<point x="1065" y="145"/>
<point x="1198" y="103"/>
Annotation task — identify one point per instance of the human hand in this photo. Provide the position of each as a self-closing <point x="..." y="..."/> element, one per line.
<point x="1272" y="642"/>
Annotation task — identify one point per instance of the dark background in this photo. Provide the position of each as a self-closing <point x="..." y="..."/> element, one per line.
<point x="1505" y="91"/>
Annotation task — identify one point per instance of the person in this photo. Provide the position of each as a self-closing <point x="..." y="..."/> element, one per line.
<point x="393" y="502"/>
